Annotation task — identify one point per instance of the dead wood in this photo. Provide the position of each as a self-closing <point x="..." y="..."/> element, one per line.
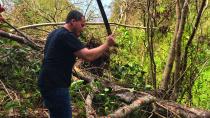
<point x="125" y="110"/>
<point x="19" y="39"/>
<point x="137" y="99"/>
<point x="184" y="112"/>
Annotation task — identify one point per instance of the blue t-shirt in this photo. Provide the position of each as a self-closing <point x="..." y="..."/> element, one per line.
<point x="59" y="59"/>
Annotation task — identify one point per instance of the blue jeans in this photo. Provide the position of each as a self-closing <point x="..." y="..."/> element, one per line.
<point x="58" y="102"/>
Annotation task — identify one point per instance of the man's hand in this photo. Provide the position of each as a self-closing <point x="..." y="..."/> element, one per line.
<point x="110" y="40"/>
<point x="1" y="10"/>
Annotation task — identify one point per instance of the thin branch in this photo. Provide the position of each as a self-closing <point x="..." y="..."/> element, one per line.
<point x="88" y="7"/>
<point x="5" y="88"/>
<point x="88" y="23"/>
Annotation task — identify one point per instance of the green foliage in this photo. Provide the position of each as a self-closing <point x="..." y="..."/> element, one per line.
<point x="79" y="91"/>
<point x="201" y="90"/>
<point x="19" y="65"/>
<point x="130" y="73"/>
<point x="105" y="103"/>
<point x="161" y="9"/>
<point x="76" y="84"/>
<point x="39" y="11"/>
<point x="19" y="71"/>
<point x="125" y="65"/>
<point x="11" y="105"/>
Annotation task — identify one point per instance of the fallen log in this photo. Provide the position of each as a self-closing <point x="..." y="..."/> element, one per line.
<point x="90" y="112"/>
<point x="137" y="100"/>
<point x="125" y="110"/>
<point x="183" y="111"/>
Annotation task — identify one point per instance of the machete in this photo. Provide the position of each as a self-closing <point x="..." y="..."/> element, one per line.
<point x="106" y="23"/>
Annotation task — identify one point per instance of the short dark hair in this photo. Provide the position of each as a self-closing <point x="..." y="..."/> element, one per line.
<point x="74" y="14"/>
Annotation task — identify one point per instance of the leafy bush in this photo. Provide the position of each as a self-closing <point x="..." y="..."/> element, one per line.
<point x="19" y="71"/>
<point x="125" y="65"/>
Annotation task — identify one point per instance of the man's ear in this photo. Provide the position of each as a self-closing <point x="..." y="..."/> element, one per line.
<point x="72" y="21"/>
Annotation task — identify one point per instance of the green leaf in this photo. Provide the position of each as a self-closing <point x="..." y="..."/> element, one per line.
<point x="102" y="94"/>
<point x="148" y="87"/>
<point x="11" y="105"/>
<point x="161" y="9"/>
<point x="131" y="90"/>
<point x="106" y="89"/>
<point x="76" y="84"/>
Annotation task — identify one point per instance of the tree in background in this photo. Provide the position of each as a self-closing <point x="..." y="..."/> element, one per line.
<point x="182" y="67"/>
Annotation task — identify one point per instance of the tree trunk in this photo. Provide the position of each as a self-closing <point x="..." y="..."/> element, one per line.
<point x="150" y="34"/>
<point x="171" y="56"/>
<point x="177" y="71"/>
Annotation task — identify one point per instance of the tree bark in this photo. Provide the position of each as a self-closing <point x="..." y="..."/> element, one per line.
<point x="169" y="65"/>
<point x="177" y="70"/>
<point x="19" y="39"/>
<point x="184" y="112"/>
<point x="150" y="47"/>
<point x="125" y="110"/>
<point x="189" y="42"/>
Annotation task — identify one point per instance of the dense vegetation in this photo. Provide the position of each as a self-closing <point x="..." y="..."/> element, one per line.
<point x="137" y="63"/>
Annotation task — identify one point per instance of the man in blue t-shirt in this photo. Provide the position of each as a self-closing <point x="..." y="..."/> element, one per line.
<point x="60" y="52"/>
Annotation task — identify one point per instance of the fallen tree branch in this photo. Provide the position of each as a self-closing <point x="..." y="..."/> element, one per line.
<point x="184" y="111"/>
<point x="173" y="108"/>
<point x="6" y="90"/>
<point x="125" y="110"/>
<point x="90" y="112"/>
<point x="19" y="39"/>
<point x="21" y="33"/>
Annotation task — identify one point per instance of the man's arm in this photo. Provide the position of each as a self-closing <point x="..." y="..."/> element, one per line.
<point x="92" y="54"/>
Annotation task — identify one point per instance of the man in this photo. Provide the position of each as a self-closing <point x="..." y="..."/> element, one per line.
<point x="61" y="49"/>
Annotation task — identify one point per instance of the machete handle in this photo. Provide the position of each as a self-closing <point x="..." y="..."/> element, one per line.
<point x="106" y="23"/>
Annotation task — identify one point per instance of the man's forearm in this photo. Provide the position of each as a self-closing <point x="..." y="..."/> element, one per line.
<point x="98" y="51"/>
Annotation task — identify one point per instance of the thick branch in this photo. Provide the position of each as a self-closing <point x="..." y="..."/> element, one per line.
<point x="177" y="70"/>
<point x="185" y="112"/>
<point x="171" y="56"/>
<point x="90" y="112"/>
<point x="19" y="39"/>
<point x="125" y="110"/>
